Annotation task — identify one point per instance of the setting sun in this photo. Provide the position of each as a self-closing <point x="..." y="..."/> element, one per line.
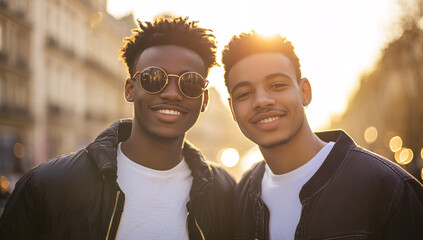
<point x="334" y="46"/>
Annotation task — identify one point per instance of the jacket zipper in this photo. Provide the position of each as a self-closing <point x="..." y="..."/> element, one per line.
<point x="113" y="215"/>
<point x="199" y="229"/>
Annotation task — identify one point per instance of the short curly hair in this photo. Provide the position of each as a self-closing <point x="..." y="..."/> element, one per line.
<point x="169" y="31"/>
<point x="250" y="43"/>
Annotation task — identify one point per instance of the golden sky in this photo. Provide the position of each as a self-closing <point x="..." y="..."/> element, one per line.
<point x="336" y="41"/>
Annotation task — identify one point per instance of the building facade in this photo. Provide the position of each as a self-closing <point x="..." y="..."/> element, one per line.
<point x="61" y="81"/>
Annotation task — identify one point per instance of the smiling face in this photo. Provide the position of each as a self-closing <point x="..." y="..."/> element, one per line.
<point x="266" y="98"/>
<point x="167" y="114"/>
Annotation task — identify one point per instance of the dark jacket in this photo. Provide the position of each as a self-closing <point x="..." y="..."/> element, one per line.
<point x="355" y="194"/>
<point x="76" y="196"/>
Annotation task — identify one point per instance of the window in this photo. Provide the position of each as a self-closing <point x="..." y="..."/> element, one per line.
<point x="2" y="90"/>
<point x="2" y="35"/>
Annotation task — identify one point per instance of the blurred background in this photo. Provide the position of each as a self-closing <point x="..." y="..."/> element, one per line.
<point x="61" y="82"/>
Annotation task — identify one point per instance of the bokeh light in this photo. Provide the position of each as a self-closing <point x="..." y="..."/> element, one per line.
<point x="421" y="174"/>
<point x="250" y="158"/>
<point x="387" y="138"/>
<point x="4" y="183"/>
<point x="370" y="135"/>
<point x="421" y="153"/>
<point x="95" y="19"/>
<point x="19" y="150"/>
<point x="404" y="156"/>
<point x="229" y="157"/>
<point x="395" y="144"/>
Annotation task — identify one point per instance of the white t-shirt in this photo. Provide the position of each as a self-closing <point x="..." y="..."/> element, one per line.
<point x="155" y="201"/>
<point x="281" y="195"/>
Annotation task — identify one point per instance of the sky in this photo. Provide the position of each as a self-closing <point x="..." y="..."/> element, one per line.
<point x="336" y="41"/>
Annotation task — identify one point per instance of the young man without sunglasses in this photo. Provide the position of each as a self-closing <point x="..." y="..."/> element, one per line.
<point x="139" y="179"/>
<point x="310" y="185"/>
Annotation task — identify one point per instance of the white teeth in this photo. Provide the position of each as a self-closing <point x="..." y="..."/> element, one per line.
<point x="169" y="111"/>
<point x="266" y="120"/>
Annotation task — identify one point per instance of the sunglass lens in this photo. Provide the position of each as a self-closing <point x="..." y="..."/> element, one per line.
<point x="192" y="84"/>
<point x="153" y="80"/>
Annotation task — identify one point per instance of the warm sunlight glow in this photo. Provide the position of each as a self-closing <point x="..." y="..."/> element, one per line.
<point x="404" y="156"/>
<point x="19" y="150"/>
<point x="4" y="183"/>
<point x="309" y="25"/>
<point x="229" y="157"/>
<point x="370" y="135"/>
<point x="387" y="138"/>
<point x="395" y="143"/>
<point x="95" y="19"/>
<point x="250" y="158"/>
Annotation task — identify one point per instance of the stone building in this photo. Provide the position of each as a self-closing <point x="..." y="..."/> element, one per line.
<point x="61" y="82"/>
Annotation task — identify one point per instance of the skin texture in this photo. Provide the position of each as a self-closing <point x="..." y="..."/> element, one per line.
<point x="154" y="129"/>
<point x="267" y="102"/>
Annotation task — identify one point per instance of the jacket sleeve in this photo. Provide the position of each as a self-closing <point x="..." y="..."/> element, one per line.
<point x="407" y="218"/>
<point x="20" y="218"/>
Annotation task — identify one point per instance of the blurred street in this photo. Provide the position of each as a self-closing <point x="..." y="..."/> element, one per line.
<point x="61" y="84"/>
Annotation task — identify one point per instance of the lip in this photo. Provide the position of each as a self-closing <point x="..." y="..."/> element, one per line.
<point x="268" y="120"/>
<point x="166" y="112"/>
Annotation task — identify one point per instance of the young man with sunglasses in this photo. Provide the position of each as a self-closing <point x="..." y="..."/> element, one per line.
<point x="139" y="179"/>
<point x="310" y="185"/>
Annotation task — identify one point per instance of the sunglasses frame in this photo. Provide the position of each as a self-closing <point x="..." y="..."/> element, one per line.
<point x="206" y="82"/>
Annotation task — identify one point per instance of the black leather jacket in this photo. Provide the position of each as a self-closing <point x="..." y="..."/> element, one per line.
<point x="354" y="195"/>
<point x="76" y="196"/>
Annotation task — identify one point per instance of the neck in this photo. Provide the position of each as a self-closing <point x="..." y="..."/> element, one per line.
<point x="152" y="151"/>
<point x="300" y="149"/>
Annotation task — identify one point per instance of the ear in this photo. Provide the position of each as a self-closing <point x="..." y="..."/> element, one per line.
<point x="129" y="90"/>
<point x="205" y="100"/>
<point x="306" y="92"/>
<point x="232" y="109"/>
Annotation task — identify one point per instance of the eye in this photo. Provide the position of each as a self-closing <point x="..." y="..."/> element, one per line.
<point x="242" y="95"/>
<point x="278" y="85"/>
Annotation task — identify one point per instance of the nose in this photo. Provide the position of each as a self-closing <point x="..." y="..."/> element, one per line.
<point x="171" y="91"/>
<point x="262" y="100"/>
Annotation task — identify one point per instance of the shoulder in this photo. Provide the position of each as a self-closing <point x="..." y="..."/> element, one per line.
<point x="221" y="178"/>
<point x="63" y="173"/>
<point x="252" y="175"/>
<point x="364" y="172"/>
<point x="64" y="165"/>
<point x="376" y="166"/>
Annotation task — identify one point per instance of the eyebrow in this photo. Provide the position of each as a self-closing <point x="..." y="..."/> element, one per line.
<point x="277" y="74"/>
<point x="267" y="78"/>
<point x="238" y="85"/>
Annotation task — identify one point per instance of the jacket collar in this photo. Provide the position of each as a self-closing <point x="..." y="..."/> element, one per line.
<point x="103" y="151"/>
<point x="343" y="144"/>
<point x="201" y="170"/>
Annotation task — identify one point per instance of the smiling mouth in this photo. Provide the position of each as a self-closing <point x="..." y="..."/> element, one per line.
<point x="169" y="112"/>
<point x="270" y="119"/>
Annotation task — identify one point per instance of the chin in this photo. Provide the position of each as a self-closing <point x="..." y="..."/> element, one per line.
<point x="167" y="137"/>
<point x="272" y="144"/>
<point x="164" y="134"/>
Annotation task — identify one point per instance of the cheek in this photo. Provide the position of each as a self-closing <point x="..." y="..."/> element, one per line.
<point x="240" y="111"/>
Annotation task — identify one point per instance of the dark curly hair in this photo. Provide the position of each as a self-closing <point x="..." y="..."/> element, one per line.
<point x="247" y="44"/>
<point x="169" y="31"/>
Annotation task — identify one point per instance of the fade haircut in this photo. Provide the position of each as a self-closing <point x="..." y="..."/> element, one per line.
<point x="247" y="44"/>
<point x="169" y="31"/>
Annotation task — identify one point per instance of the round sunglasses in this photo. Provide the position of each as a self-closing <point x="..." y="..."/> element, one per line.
<point x="155" y="79"/>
